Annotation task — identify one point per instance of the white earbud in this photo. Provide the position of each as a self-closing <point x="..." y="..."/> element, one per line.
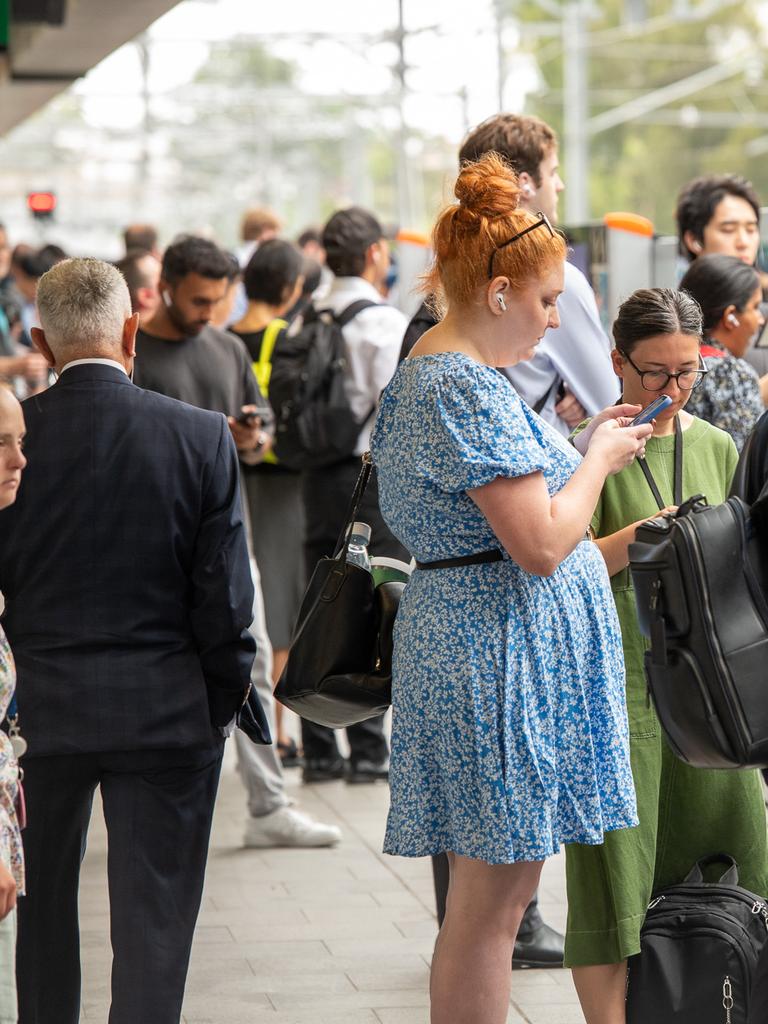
<point x="167" y="298"/>
<point x="528" y="191"/>
<point x="732" y="320"/>
<point x="501" y="302"/>
<point x="696" y="246"/>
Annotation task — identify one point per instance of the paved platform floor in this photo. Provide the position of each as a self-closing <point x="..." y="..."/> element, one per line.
<point x="340" y="936"/>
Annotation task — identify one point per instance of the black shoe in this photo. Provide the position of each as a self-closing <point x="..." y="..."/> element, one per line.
<point x="543" y="947"/>
<point x="323" y="769"/>
<point x="362" y="772"/>
<point x="289" y="755"/>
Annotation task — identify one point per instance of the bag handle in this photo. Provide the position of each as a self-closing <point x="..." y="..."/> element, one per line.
<point x="354" y="504"/>
<point x="729" y="877"/>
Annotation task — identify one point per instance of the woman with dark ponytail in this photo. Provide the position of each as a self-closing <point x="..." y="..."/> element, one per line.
<point x="730" y="295"/>
<point x="685" y="813"/>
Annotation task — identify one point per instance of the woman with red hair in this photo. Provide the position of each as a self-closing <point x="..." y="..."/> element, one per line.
<point x="509" y="729"/>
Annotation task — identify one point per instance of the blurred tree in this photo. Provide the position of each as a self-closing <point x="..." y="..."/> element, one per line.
<point x="635" y="47"/>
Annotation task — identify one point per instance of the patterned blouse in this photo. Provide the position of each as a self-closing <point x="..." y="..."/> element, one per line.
<point x="729" y="395"/>
<point x="11" y="853"/>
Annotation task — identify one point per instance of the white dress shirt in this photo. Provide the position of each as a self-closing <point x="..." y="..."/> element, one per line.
<point x="102" y="362"/>
<point x="372" y="341"/>
<point x="577" y="352"/>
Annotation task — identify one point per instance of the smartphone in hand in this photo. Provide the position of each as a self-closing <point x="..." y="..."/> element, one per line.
<point x="247" y="419"/>
<point x="651" y="411"/>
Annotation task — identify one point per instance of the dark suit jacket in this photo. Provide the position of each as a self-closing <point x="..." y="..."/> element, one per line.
<point x="125" y="570"/>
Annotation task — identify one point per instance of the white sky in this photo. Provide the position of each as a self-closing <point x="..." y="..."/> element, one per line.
<point x="461" y="54"/>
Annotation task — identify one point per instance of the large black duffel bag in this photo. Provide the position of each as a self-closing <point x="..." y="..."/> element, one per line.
<point x="699" y="948"/>
<point x="700" y="587"/>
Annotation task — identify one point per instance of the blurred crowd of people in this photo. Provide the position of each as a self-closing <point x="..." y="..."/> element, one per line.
<point x="201" y="327"/>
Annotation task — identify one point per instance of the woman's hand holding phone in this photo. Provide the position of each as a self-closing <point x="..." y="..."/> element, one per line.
<point x="617" y="444"/>
<point x="622" y="413"/>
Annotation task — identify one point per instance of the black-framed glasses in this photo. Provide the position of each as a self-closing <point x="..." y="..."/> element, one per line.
<point x="657" y="380"/>
<point x="542" y="222"/>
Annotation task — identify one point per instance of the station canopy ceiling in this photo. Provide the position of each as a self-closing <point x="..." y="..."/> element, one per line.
<point x="45" y="45"/>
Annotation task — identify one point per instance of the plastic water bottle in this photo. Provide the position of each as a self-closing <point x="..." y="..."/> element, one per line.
<point x="359" y="539"/>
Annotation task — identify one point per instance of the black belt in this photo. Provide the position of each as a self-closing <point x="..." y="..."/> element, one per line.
<point x="451" y="563"/>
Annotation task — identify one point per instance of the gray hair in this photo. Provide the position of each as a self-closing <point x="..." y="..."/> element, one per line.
<point x="83" y="305"/>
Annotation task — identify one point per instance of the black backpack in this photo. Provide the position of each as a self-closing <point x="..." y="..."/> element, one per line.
<point x="699" y="947"/>
<point x="314" y="424"/>
<point x="700" y="584"/>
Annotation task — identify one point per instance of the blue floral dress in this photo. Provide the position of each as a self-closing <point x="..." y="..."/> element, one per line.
<point x="509" y="730"/>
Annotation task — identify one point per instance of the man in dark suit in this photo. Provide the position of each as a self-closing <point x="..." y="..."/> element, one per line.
<point x="128" y="596"/>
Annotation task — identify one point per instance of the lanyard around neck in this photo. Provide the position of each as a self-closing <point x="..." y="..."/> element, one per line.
<point x="678" y="477"/>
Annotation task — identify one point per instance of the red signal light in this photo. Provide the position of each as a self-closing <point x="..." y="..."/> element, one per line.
<point x="41" y="204"/>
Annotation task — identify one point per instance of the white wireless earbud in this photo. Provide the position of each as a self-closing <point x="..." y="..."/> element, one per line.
<point x="696" y="246"/>
<point x="528" y="191"/>
<point x="732" y="320"/>
<point x="167" y="298"/>
<point x="501" y="302"/>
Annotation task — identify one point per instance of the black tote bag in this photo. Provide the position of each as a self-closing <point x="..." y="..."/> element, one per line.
<point x="339" y="668"/>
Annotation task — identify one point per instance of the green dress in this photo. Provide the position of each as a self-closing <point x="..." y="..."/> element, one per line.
<point x="685" y="813"/>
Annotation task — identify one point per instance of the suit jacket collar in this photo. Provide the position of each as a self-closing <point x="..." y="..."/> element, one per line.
<point x="93" y="371"/>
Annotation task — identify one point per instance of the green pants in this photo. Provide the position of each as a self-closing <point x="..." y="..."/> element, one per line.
<point x="685" y="814"/>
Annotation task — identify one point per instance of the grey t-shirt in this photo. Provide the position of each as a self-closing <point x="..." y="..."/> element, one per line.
<point x="211" y="370"/>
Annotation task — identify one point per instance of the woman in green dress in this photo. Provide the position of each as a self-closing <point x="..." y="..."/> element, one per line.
<point x="685" y="813"/>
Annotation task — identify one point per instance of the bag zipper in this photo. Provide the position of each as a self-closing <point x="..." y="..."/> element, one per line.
<point x="727" y="998"/>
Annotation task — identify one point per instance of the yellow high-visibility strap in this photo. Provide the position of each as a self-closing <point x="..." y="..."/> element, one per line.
<point x="263" y="365"/>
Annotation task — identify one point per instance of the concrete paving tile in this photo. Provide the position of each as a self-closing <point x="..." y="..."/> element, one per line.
<point x="402" y="1015"/>
<point x="368" y="999"/>
<point x="379" y="947"/>
<point x="425" y="927"/>
<point x="352" y="928"/>
<point x="316" y="983"/>
<point x="314" y="1016"/>
<point x="268" y="914"/>
<point x="204" y="934"/>
<point x="371" y="980"/>
<point x="412" y="1015"/>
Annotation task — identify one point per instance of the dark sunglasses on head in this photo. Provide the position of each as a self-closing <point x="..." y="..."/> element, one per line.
<point x="542" y="222"/>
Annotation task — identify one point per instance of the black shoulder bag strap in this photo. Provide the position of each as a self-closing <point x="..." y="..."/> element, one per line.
<point x="547" y="395"/>
<point x="354" y="504"/>
<point x="678" y="477"/>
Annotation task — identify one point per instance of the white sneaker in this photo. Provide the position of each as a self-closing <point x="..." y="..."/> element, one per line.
<point x="287" y="826"/>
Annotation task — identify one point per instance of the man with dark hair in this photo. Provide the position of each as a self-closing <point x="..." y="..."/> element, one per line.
<point x="141" y="236"/>
<point x="141" y="271"/>
<point x="570" y="376"/>
<point x="179" y="353"/>
<point x="719" y="213"/>
<point x="358" y="254"/>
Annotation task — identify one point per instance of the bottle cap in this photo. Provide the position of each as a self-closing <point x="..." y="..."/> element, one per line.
<point x="361" y="531"/>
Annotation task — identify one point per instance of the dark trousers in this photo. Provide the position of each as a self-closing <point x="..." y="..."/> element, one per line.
<point x="441" y="875"/>
<point x="158" y="807"/>
<point x="326" y="495"/>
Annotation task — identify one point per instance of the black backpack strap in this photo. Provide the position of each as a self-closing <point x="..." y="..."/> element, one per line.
<point x="343" y="318"/>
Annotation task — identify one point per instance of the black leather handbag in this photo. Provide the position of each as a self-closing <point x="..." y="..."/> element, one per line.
<point x="699" y="950"/>
<point x="339" y="668"/>
<point x="700" y="583"/>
